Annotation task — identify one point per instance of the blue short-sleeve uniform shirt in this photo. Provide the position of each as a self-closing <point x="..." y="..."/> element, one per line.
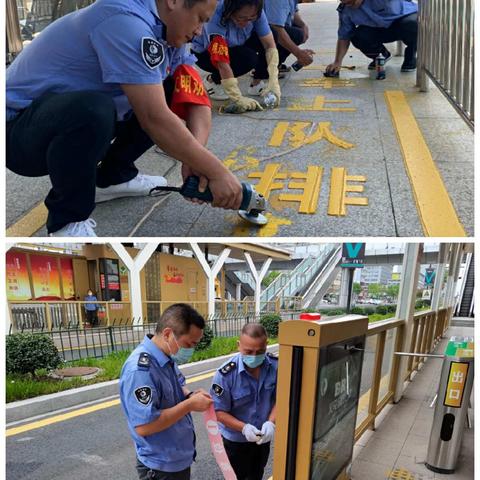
<point x="100" y="47"/>
<point x="372" y="13"/>
<point x="235" y="36"/>
<point x="149" y="383"/>
<point x="281" y="12"/>
<point x="237" y="392"/>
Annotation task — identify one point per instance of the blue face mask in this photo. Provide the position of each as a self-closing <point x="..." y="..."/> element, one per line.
<point x="253" y="361"/>
<point x="183" y="355"/>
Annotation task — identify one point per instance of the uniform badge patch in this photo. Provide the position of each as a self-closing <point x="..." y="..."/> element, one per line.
<point x="152" y="52"/>
<point x="143" y="395"/>
<point x="217" y="390"/>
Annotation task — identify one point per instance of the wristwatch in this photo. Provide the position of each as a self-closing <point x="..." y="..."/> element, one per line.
<point x="189" y="394"/>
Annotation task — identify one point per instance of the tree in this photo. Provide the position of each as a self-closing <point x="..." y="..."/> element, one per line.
<point x="357" y="288"/>
<point x="392" y="290"/>
<point x="375" y="289"/>
<point x="269" y="278"/>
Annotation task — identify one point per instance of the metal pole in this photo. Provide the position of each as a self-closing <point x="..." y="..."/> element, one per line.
<point x="406" y="304"/>
<point x="351" y="271"/>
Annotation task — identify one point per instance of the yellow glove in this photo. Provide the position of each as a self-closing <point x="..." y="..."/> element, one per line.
<point x="230" y="85"/>
<point x="273" y="86"/>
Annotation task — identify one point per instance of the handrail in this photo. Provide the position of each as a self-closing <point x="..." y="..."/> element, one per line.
<point x="427" y="330"/>
<point x="446" y="52"/>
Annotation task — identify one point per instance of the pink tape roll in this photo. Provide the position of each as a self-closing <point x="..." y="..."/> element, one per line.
<point x="216" y="443"/>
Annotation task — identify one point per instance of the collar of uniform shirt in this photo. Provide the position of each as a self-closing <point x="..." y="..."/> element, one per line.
<point x="160" y="357"/>
<point x="152" y="4"/>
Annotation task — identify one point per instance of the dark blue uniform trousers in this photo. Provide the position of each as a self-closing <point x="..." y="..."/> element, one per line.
<point x="75" y="139"/>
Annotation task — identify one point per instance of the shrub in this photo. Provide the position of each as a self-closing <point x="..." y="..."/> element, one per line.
<point x="270" y="323"/>
<point x="370" y="310"/>
<point x="311" y="310"/>
<point x="336" y="312"/>
<point x="27" y="352"/>
<point x="206" y="340"/>
<point x="391" y="308"/>
<point x="381" y="309"/>
<point x="358" y="311"/>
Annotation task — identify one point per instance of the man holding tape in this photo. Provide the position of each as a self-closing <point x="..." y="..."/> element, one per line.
<point x="156" y="401"/>
<point x="244" y="391"/>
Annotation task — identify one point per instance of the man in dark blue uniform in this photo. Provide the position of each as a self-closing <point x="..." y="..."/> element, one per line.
<point x="244" y="394"/>
<point x="290" y="31"/>
<point x="155" y="400"/>
<point x="95" y="90"/>
<point x="368" y="24"/>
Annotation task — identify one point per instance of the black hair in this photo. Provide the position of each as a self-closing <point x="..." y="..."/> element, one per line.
<point x="254" y="330"/>
<point x="180" y="317"/>
<point x="232" y="6"/>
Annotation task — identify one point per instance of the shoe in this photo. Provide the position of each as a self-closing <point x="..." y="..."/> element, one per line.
<point x="409" y="61"/>
<point x="77" y="229"/>
<point x="136" y="187"/>
<point x="215" y="90"/>
<point x="256" y="90"/>
<point x="386" y="54"/>
<point x="284" y="69"/>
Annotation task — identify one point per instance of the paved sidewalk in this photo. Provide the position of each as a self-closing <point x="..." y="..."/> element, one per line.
<point x="397" y="449"/>
<point x="353" y="142"/>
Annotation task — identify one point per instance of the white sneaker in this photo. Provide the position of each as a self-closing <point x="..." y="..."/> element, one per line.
<point x="215" y="91"/>
<point x="77" y="229"/>
<point x="136" y="187"/>
<point x="256" y="90"/>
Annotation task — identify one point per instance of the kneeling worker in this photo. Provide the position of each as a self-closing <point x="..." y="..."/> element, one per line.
<point x="368" y="24"/>
<point x="290" y="31"/>
<point x="244" y="391"/>
<point x="155" y="400"/>
<point x="236" y="40"/>
<point x="97" y="89"/>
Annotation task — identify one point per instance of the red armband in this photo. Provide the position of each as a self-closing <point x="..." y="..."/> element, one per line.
<point x="188" y="89"/>
<point x="218" y="50"/>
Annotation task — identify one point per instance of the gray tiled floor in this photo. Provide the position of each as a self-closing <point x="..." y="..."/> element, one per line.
<point x="400" y="440"/>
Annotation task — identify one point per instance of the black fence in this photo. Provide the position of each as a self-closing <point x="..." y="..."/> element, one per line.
<point x="74" y="342"/>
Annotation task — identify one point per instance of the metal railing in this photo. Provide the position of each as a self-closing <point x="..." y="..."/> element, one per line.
<point x="446" y="52"/>
<point x="54" y="315"/>
<point x="428" y="328"/>
<point x="75" y="342"/>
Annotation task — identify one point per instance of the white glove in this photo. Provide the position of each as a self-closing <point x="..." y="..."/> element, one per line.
<point x="268" y="431"/>
<point x="230" y="85"/>
<point x="251" y="433"/>
<point x="273" y="86"/>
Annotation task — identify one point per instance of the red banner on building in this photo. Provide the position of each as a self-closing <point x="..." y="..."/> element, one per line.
<point x="66" y="265"/>
<point x="18" y="284"/>
<point x="46" y="277"/>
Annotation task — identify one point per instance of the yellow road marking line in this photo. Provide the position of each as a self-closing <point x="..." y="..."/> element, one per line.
<point x="83" y="411"/>
<point x="435" y="208"/>
<point x="34" y="220"/>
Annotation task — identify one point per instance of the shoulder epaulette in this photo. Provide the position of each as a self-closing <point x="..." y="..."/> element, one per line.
<point x="144" y="360"/>
<point x="229" y="367"/>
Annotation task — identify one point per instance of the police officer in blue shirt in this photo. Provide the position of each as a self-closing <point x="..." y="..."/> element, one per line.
<point x="368" y="24"/>
<point x="235" y="41"/>
<point x="244" y="391"/>
<point x="155" y="400"/>
<point x="290" y="31"/>
<point x="99" y="87"/>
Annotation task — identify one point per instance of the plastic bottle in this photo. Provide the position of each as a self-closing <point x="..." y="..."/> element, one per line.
<point x="269" y="101"/>
<point x="380" y="67"/>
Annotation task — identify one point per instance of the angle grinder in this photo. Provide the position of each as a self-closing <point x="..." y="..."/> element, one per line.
<point x="251" y="208"/>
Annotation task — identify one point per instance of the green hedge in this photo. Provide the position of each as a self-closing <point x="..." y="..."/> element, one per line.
<point x="206" y="340"/>
<point x="27" y="352"/>
<point x="270" y="322"/>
